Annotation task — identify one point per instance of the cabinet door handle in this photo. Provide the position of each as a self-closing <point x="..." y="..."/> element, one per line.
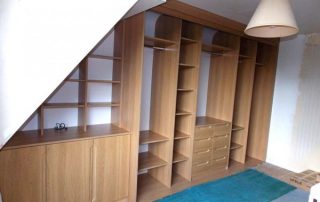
<point x="202" y="164"/>
<point x="94" y="173"/>
<point x="203" y="152"/>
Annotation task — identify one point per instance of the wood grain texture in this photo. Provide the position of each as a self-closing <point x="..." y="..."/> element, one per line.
<point x="163" y="95"/>
<point x="112" y="168"/>
<point x="222" y="78"/>
<point x="261" y="105"/>
<point x="69" y="171"/>
<point x="22" y="175"/>
<point x="190" y="53"/>
<point x="131" y="91"/>
<point x="243" y="96"/>
<point x="34" y="138"/>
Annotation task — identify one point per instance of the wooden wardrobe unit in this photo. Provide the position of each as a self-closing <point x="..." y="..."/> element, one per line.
<point x="103" y="162"/>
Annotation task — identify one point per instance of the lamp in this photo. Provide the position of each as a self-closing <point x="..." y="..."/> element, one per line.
<point x="272" y="18"/>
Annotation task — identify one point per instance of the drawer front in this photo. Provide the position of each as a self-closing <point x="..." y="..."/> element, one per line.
<point x="220" y="152"/>
<point x="221" y="162"/>
<point x="221" y="141"/>
<point x="202" y="155"/>
<point x="221" y="132"/>
<point x="201" y="166"/>
<point x="203" y="132"/>
<point x="202" y="144"/>
<point x="222" y="127"/>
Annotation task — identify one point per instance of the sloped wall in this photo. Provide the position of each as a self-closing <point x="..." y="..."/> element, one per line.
<point x="40" y="43"/>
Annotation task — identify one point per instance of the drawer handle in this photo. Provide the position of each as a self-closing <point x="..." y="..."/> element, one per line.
<point x="220" y="159"/>
<point x="221" y="148"/>
<point x="205" y="139"/>
<point x="202" y="164"/>
<point x="222" y="136"/>
<point x="203" y="152"/>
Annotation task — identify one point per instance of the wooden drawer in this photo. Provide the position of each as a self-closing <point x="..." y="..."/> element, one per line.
<point x="217" y="133"/>
<point x="202" y="144"/>
<point x="203" y="132"/>
<point x="202" y="155"/>
<point x="221" y="162"/>
<point x="222" y="127"/>
<point x="201" y="165"/>
<point x="220" y="152"/>
<point x="221" y="141"/>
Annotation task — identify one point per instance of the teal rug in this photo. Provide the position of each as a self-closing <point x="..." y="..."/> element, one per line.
<point x="247" y="186"/>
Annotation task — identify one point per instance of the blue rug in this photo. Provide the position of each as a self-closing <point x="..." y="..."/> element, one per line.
<point x="247" y="186"/>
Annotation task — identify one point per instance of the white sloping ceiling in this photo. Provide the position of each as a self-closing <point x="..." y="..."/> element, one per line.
<point x="40" y="44"/>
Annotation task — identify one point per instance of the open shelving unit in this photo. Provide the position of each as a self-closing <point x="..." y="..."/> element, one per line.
<point x="81" y="79"/>
<point x="161" y="41"/>
<point x="242" y="101"/>
<point x="189" y="62"/>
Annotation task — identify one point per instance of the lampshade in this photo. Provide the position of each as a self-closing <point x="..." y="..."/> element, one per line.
<point x="272" y="18"/>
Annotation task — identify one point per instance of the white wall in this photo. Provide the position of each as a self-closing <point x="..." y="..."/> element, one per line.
<point x="40" y="43"/>
<point x="294" y="140"/>
<point x="203" y="83"/>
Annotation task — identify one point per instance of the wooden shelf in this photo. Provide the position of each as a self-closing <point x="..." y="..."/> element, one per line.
<point x="62" y="105"/>
<point x="149" y="161"/>
<point x="234" y="146"/>
<point x="212" y="48"/>
<point x="148" y="137"/>
<point x="148" y="186"/>
<point x="236" y="128"/>
<point x="104" y="57"/>
<point x="157" y="42"/>
<point x="184" y="90"/>
<point x="103" y="81"/>
<point x="241" y="56"/>
<point x="206" y="121"/>
<point x="177" y="157"/>
<point x="93" y="81"/>
<point x="186" y="66"/>
<point x="182" y="112"/>
<point x="103" y="104"/>
<point x="75" y="80"/>
<point x="34" y="138"/>
<point x="185" y="40"/>
<point x="180" y="135"/>
<point x="259" y="64"/>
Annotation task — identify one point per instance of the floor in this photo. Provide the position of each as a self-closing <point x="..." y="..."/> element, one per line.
<point x="149" y="189"/>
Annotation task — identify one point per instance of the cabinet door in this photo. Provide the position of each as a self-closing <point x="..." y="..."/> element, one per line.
<point x="22" y="177"/>
<point x="111" y="168"/>
<point x="69" y="171"/>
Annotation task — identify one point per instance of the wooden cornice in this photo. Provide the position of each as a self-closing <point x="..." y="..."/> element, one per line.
<point x="189" y="13"/>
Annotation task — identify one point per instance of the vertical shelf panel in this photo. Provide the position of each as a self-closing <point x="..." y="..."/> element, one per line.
<point x="131" y="87"/>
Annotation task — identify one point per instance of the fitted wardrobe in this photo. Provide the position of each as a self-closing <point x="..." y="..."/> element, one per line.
<point x="162" y="98"/>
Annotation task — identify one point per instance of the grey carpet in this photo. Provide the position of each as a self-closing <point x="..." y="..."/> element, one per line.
<point x="297" y="195"/>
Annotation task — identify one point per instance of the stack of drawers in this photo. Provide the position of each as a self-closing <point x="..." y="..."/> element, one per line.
<point x="211" y="147"/>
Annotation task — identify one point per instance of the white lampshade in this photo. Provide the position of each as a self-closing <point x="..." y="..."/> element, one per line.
<point x="272" y="18"/>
